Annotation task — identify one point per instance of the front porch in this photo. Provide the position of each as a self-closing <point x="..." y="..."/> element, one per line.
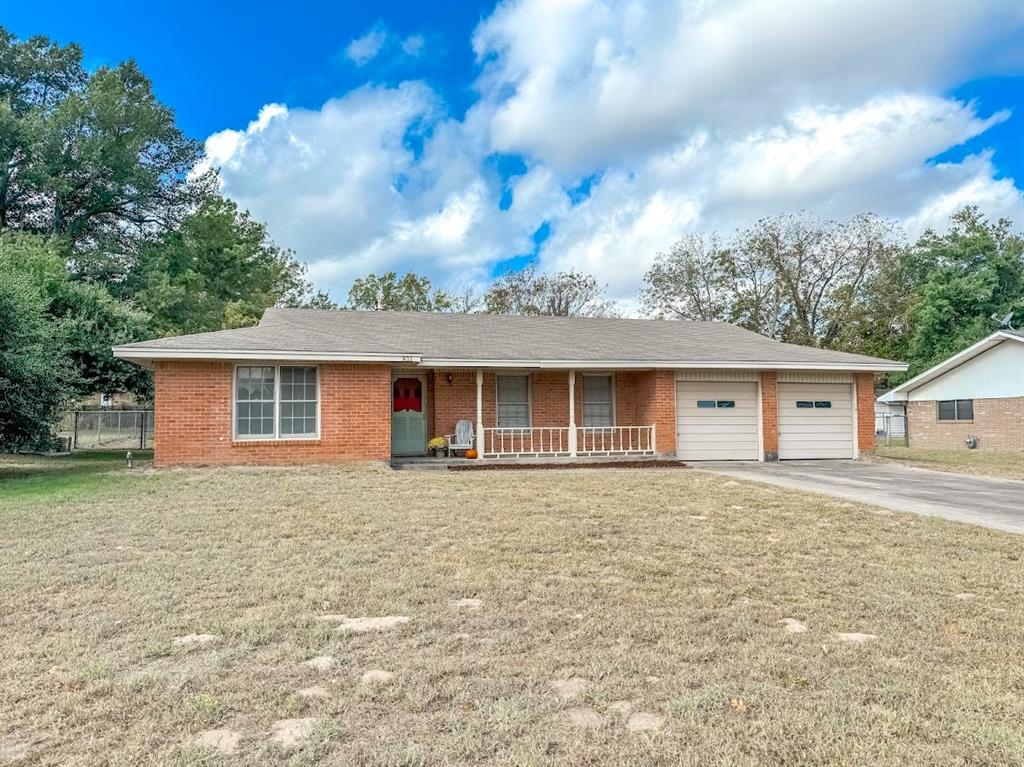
<point x="532" y="414"/>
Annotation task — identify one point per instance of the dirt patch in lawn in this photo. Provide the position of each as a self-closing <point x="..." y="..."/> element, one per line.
<point x="598" y="595"/>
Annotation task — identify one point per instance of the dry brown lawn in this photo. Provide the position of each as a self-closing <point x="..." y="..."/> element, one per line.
<point x="983" y="463"/>
<point x="661" y="588"/>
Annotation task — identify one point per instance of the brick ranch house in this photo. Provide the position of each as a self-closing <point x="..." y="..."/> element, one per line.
<point x="975" y="396"/>
<point x="318" y="386"/>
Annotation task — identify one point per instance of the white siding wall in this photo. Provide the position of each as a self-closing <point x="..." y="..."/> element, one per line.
<point x="998" y="372"/>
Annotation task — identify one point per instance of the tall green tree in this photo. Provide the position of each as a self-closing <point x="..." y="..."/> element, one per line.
<point x="86" y="319"/>
<point x="94" y="158"/>
<point x="218" y="269"/>
<point x="974" y="270"/>
<point x="409" y="293"/>
<point x="37" y="376"/>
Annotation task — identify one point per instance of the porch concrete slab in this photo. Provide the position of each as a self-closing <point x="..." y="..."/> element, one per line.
<point x="995" y="503"/>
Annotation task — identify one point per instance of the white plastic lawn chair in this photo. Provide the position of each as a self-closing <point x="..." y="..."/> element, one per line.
<point x="462" y="439"/>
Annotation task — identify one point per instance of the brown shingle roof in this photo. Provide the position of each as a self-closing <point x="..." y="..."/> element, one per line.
<point x="463" y="338"/>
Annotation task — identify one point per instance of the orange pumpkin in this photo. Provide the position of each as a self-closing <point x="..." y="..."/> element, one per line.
<point x="471" y="453"/>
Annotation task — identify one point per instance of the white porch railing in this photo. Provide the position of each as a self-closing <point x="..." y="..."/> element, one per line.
<point x="526" y="442"/>
<point x="556" y="441"/>
<point x="615" y="440"/>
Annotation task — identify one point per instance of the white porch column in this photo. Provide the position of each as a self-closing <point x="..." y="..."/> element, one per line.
<point x="572" y="413"/>
<point x="479" y="413"/>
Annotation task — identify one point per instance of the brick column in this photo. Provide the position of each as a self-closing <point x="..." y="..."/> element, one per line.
<point x="864" y="386"/>
<point x="770" y="415"/>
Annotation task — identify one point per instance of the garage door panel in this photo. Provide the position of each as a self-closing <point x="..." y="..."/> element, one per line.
<point x="714" y="433"/>
<point x="815" y="432"/>
<point x="823" y="426"/>
<point x="742" y="430"/>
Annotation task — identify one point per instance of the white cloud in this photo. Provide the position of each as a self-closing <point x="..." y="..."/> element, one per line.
<point x="596" y="82"/>
<point x="364" y="49"/>
<point x="414" y="45"/>
<point x="690" y="116"/>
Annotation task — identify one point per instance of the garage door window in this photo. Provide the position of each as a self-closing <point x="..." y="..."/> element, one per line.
<point x="956" y="410"/>
<point x="716" y="403"/>
<point x="806" y="404"/>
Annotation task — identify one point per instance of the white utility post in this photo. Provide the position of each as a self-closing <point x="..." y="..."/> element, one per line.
<point x="479" y="413"/>
<point x="572" y="413"/>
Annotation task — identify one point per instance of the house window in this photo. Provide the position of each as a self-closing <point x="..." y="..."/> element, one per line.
<point x="275" y="402"/>
<point x="597" y="401"/>
<point x="298" y="402"/>
<point x="513" y="402"/>
<point x="956" y="410"/>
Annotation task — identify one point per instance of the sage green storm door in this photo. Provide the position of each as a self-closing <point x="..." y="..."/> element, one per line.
<point x="408" y="416"/>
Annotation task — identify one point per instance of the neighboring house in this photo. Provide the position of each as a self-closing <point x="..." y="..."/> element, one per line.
<point x="978" y="393"/>
<point x="315" y="385"/>
<point x="890" y="416"/>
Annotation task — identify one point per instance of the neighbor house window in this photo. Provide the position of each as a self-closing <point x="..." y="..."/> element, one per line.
<point x="597" y="401"/>
<point x="275" y="402"/>
<point x="956" y="410"/>
<point x="513" y="402"/>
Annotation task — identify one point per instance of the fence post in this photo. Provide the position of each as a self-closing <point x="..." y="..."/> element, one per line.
<point x="74" y="434"/>
<point x="99" y="428"/>
<point x="142" y="432"/>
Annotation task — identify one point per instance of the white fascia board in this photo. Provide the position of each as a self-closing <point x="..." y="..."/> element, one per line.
<point x="664" y="364"/>
<point x="151" y="354"/>
<point x="901" y="392"/>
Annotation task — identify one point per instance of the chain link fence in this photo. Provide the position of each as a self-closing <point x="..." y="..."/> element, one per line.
<point x="108" y="429"/>
<point x="890" y="429"/>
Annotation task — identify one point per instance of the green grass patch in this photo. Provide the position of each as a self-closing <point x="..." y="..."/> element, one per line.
<point x="31" y="477"/>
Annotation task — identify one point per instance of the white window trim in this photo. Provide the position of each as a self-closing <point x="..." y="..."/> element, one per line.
<point x="529" y="399"/>
<point x="583" y="402"/>
<point x="276" y="436"/>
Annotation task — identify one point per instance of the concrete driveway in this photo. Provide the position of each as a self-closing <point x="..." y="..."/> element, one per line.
<point x="996" y="503"/>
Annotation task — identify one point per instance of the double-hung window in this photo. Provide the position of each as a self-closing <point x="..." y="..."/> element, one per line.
<point x="513" y="402"/>
<point x="598" y="409"/>
<point x="275" y="402"/>
<point x="956" y="410"/>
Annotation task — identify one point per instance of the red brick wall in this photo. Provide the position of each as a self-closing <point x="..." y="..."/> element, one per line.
<point x="770" y="415"/>
<point x="192" y="405"/>
<point x="656" y="404"/>
<point x="998" y="424"/>
<point x="864" y="385"/>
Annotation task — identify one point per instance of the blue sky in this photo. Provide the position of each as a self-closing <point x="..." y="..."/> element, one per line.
<point x="462" y="139"/>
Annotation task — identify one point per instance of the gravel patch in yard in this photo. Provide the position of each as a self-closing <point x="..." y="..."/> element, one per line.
<point x="376" y="676"/>
<point x="793" y="626"/>
<point x="582" y="718"/>
<point x="644" y="721"/>
<point x="364" y="625"/>
<point x="195" y="640"/>
<point x="855" y="637"/>
<point x="291" y="733"/>
<point x="569" y="689"/>
<point x="321" y="663"/>
<point x="224" y="741"/>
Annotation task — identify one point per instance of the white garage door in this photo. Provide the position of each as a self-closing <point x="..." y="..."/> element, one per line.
<point x="815" y="420"/>
<point x="716" y="420"/>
